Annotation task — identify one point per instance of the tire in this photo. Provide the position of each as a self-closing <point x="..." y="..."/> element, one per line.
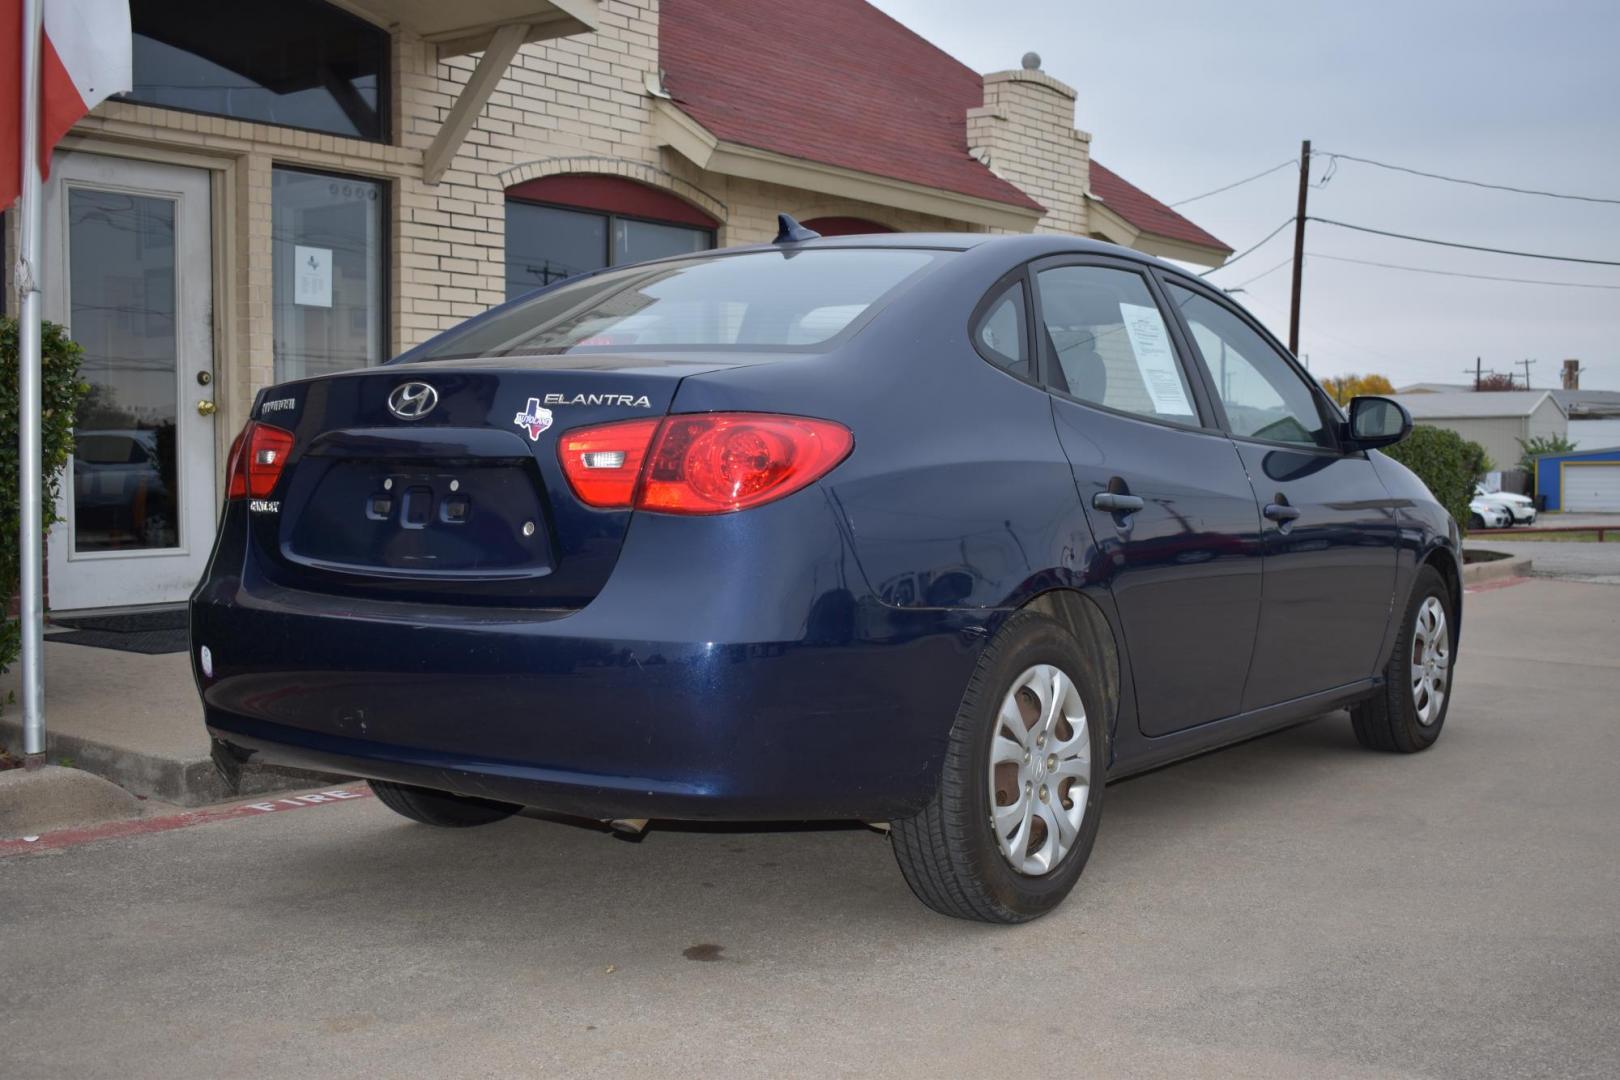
<point x="1475" y="522"/>
<point x="439" y="807"/>
<point x="950" y="853"/>
<point x="1392" y="719"/>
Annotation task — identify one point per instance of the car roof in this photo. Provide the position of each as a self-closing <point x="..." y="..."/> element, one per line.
<point x="1017" y="247"/>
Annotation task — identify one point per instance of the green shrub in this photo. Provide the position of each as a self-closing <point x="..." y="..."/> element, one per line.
<point x="1448" y="463"/>
<point x="1534" y="448"/>
<point x="60" y="393"/>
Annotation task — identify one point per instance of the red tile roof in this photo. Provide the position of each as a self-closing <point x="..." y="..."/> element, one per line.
<point x="836" y="81"/>
<point x="841" y="83"/>
<point x="1144" y="211"/>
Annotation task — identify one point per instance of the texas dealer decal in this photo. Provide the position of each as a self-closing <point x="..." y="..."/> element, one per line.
<point x="534" y="419"/>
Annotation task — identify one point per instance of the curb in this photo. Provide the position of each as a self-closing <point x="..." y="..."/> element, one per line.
<point x="1516" y="566"/>
<point x="189" y="783"/>
<point x="34" y="801"/>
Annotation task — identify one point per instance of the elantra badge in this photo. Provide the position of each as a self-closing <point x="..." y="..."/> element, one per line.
<point x="534" y="419"/>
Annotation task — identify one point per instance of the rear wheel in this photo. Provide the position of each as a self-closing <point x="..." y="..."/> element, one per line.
<point x="439" y="808"/>
<point x="1015" y="815"/>
<point x="1406" y="715"/>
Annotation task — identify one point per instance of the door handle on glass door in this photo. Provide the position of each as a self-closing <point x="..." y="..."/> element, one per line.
<point x="1116" y="503"/>
<point x="206" y="408"/>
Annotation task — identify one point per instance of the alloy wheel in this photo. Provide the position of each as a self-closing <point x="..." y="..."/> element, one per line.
<point x="1431" y="660"/>
<point x="1040" y="770"/>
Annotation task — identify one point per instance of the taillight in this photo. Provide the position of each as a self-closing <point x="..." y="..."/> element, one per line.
<point x="702" y="463"/>
<point x="256" y="460"/>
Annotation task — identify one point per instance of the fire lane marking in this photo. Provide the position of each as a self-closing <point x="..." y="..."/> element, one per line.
<point x="1498" y="583"/>
<point x="208" y="815"/>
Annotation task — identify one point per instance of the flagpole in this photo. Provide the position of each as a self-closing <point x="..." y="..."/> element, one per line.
<point x="30" y="480"/>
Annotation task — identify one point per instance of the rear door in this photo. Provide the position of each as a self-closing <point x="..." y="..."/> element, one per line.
<point x="1329" y="524"/>
<point x="1167" y="497"/>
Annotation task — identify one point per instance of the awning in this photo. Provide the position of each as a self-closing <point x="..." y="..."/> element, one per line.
<point x="459" y="27"/>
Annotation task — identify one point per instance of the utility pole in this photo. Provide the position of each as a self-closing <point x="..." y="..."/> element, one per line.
<point x="1527" y="364"/>
<point x="1479" y="371"/>
<point x="1299" y="244"/>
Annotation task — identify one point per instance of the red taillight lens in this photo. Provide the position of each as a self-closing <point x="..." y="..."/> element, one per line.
<point x="603" y="463"/>
<point x="256" y="460"/>
<point x="705" y="463"/>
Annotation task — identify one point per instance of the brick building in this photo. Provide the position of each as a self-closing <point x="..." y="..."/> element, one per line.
<point x="297" y="186"/>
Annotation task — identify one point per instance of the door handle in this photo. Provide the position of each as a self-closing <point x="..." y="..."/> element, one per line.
<point x="206" y="408"/>
<point x="1281" y="512"/>
<point x="1116" y="503"/>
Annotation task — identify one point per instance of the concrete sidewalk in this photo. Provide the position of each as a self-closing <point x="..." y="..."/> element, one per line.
<point x="136" y="720"/>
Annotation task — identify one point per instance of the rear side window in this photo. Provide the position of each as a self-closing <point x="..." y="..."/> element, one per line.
<point x="1110" y="344"/>
<point x="755" y="300"/>
<point x="1003" y="332"/>
<point x="1264" y="397"/>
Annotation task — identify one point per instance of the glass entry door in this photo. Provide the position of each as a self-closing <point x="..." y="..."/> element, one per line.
<point x="128" y="272"/>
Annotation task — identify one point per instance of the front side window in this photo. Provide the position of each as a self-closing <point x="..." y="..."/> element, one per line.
<point x="1265" y="398"/>
<point x="767" y="300"/>
<point x="298" y="63"/>
<point x="545" y="244"/>
<point x="327" y="267"/>
<point x="1110" y="345"/>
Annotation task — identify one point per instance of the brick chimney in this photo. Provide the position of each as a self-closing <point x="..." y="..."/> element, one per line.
<point x="1025" y="133"/>
<point x="1572" y="374"/>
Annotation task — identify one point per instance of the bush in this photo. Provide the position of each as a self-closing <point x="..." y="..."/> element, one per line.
<point x="1534" y="448"/>
<point x="60" y="393"/>
<point x="1449" y="464"/>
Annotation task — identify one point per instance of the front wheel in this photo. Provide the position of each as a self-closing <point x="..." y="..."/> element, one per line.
<point x="1015" y="815"/>
<point x="439" y="808"/>
<point x="1406" y="715"/>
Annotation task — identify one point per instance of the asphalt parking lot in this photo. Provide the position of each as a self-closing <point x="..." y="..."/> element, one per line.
<point x="1291" y="907"/>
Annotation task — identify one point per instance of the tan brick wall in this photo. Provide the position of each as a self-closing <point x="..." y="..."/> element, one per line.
<point x="1025" y="133"/>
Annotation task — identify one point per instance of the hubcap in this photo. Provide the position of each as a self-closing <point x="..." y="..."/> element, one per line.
<point x="1040" y="770"/>
<point x="1431" y="660"/>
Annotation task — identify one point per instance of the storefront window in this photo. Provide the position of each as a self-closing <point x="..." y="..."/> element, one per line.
<point x="327" y="259"/>
<point x="298" y="63"/>
<point x="603" y="221"/>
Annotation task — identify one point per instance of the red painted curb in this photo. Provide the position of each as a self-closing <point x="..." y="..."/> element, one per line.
<point x="208" y="815"/>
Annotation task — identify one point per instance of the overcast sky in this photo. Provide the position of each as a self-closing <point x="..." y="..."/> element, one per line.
<point x="1195" y="95"/>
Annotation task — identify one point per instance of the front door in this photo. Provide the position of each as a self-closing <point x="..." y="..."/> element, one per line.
<point x="128" y="272"/>
<point x="1330" y="530"/>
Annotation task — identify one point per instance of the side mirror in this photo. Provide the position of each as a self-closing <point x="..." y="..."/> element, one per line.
<point x="1375" y="422"/>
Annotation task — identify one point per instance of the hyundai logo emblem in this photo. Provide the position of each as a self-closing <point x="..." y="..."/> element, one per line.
<point x="412" y="400"/>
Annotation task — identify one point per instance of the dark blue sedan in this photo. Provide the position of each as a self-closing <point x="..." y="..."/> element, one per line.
<point x="939" y="531"/>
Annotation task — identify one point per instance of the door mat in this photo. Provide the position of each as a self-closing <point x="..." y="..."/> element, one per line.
<point x="149" y="632"/>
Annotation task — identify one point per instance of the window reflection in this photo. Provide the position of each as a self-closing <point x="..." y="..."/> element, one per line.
<point x="298" y="63"/>
<point x="121" y="265"/>
<point x="326" y="251"/>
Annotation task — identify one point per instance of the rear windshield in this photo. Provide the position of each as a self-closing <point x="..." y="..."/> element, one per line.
<point x="754" y="300"/>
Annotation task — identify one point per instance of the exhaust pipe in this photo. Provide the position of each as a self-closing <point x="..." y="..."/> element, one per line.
<point x="628" y="828"/>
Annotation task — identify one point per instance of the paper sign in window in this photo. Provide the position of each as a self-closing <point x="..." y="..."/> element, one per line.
<point x="1155" y="359"/>
<point x="312" y="276"/>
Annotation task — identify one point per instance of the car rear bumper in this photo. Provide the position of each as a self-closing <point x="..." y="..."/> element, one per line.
<point x="750" y="705"/>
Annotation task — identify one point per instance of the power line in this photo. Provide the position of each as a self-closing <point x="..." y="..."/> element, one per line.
<point x="1263" y="273"/>
<point x="1455" y="273"/>
<point x="1248" y="251"/>
<point x="1236" y="183"/>
<point x="1474" y="183"/>
<point x="1455" y="244"/>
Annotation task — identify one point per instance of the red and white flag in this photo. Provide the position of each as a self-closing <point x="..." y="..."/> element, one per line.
<point x="84" y="58"/>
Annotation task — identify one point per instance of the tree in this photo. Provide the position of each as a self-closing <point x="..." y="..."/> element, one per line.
<point x="1534" y="448"/>
<point x="1345" y="387"/>
<point x="1447" y="463"/>
<point x="1496" y="380"/>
